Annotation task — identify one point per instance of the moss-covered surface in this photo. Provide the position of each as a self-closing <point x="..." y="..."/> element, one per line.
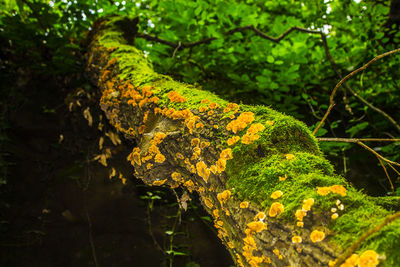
<point x="283" y="155"/>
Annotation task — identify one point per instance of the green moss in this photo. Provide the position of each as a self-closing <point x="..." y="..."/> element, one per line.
<point x="255" y="169"/>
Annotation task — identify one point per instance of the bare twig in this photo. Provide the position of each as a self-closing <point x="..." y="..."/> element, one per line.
<point x="355" y="245"/>
<point x="355" y="140"/>
<point x="377" y="154"/>
<point x="176" y="49"/>
<point x="93" y="248"/>
<point x="387" y="174"/>
<point x="336" y="69"/>
<point x="156" y="244"/>
<point x="380" y="158"/>
<point x="384" y="114"/>
<point x="331" y="98"/>
<point x="35" y="14"/>
<point x="180" y="45"/>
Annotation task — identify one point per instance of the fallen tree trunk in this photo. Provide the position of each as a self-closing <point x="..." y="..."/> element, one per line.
<point x="275" y="200"/>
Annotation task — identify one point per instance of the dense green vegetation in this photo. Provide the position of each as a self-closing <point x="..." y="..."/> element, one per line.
<point x="293" y="75"/>
<point x="239" y="56"/>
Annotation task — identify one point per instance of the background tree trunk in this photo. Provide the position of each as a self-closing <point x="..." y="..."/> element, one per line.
<point x="274" y="198"/>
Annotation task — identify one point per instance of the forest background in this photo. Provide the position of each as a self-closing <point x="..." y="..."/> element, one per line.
<point x="255" y="57"/>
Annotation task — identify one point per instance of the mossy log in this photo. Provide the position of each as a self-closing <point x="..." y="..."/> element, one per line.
<point x="260" y="174"/>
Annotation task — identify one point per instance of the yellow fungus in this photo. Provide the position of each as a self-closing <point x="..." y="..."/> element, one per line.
<point x="339" y="189"/>
<point x="323" y="191"/>
<point x="195" y="142"/>
<point x="351" y="261"/>
<point x="276" y="252"/>
<point x="213" y="105"/>
<point x="255" y="128"/>
<point x="232" y="140"/>
<point x="307" y="204"/>
<point x="203" y="109"/>
<point x="289" y="156"/>
<point x="368" y="258"/>
<point x="241" y="122"/>
<point x="297" y="239"/>
<point x="204" y="144"/>
<point x="176" y="97"/>
<point x="244" y="205"/>
<point x="213" y="169"/>
<point x="300" y="214"/>
<point x="249" y="138"/>
<point x="202" y="170"/>
<point x="199" y="125"/>
<point x="220" y="165"/>
<point x="257" y="226"/>
<point x="176" y="176"/>
<point x="317" y="236"/>
<point x="224" y="196"/>
<point x="277" y="194"/>
<point x="283" y="178"/>
<point x="159" y="158"/>
<point x="226" y="154"/>
<point x="134" y="157"/>
<point x="275" y="209"/>
<point x="159" y="182"/>
<point x="208" y="202"/>
<point x="260" y="216"/>
<point x="216" y="213"/>
<point x="141" y="129"/>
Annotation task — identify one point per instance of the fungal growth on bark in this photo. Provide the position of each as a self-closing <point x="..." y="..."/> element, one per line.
<point x="274" y="198"/>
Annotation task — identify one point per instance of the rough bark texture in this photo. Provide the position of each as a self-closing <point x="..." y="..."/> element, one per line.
<point x="275" y="200"/>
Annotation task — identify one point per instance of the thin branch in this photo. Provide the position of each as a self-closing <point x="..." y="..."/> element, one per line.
<point x="377" y="154"/>
<point x="93" y="248"/>
<point x="355" y="245"/>
<point x="355" y="140"/>
<point x="35" y="14"/>
<point x="176" y="49"/>
<point x="387" y="174"/>
<point x="359" y="141"/>
<point x="393" y="168"/>
<point x="336" y="69"/>
<point x="180" y="45"/>
<point x="331" y="98"/>
<point x="156" y="244"/>
<point x="387" y="116"/>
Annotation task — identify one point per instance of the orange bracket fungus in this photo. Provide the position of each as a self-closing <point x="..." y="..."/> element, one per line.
<point x="231" y="155"/>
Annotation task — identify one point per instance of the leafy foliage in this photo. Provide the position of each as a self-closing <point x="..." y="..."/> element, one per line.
<point x="293" y="75"/>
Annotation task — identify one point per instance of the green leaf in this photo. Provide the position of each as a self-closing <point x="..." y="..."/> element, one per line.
<point x="357" y="128"/>
<point x="321" y="132"/>
<point x="270" y="59"/>
<point x="206" y="218"/>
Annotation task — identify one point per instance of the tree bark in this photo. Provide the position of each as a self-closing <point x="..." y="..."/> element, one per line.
<point x="260" y="174"/>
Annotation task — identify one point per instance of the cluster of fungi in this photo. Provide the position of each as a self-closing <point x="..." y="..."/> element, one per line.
<point x="192" y="145"/>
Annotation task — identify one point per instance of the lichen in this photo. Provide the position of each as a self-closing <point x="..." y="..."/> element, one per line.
<point x="276" y="157"/>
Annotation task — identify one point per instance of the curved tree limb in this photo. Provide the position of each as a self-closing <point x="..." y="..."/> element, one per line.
<point x="259" y="173"/>
<point x="179" y="45"/>
<point x="331" y="98"/>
